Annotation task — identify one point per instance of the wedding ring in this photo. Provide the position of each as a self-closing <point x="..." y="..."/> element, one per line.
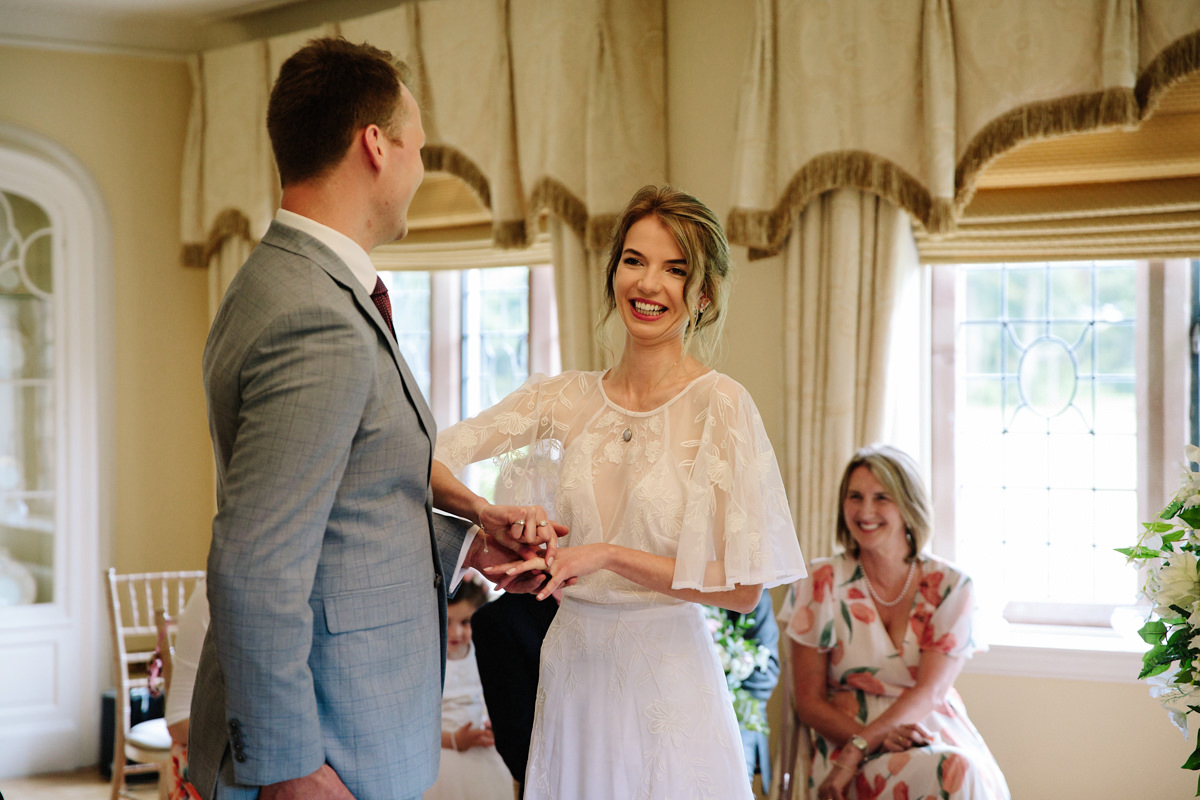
<point x="518" y="522"/>
<point x="541" y="523"/>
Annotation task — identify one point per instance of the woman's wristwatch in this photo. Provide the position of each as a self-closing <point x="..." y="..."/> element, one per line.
<point x="860" y="743"/>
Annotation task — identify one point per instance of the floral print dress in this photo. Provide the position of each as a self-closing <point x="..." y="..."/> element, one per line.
<point x="632" y="702"/>
<point x="832" y="611"/>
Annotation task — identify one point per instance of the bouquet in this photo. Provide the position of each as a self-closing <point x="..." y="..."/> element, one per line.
<point x="739" y="657"/>
<point x="1167" y="550"/>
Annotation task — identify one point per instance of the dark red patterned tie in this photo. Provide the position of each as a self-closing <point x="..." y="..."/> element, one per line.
<point x="380" y="297"/>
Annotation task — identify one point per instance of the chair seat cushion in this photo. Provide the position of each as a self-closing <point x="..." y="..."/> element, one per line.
<point x="151" y="735"/>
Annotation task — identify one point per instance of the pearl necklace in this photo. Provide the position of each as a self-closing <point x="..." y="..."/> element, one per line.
<point x="912" y="569"/>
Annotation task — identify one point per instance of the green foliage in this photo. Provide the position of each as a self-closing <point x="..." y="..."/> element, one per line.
<point x="1166" y="553"/>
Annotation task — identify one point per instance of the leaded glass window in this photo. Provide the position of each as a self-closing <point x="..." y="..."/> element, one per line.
<point x="1045" y="429"/>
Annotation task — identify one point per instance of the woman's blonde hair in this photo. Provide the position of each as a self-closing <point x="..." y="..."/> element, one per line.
<point x="701" y="239"/>
<point x="901" y="479"/>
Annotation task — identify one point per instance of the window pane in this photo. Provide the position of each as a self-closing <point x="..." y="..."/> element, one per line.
<point x="1116" y="409"/>
<point x="982" y="353"/>
<point x="495" y="343"/>
<point x="1071" y="292"/>
<point x="409" y="293"/>
<point x="982" y="288"/>
<point x="1116" y="296"/>
<point x="1045" y="429"/>
<point x="27" y="416"/>
<point x="495" y="349"/>
<point x="1114" y="349"/>
<point x="1026" y="292"/>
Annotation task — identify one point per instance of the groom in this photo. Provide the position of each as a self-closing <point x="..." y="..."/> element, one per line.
<point x="321" y="674"/>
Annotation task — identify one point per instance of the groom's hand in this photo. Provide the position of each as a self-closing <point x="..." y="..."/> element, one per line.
<point x="486" y="551"/>
<point x="324" y="784"/>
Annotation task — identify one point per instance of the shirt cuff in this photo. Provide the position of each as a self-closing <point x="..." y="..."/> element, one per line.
<point x="459" y="569"/>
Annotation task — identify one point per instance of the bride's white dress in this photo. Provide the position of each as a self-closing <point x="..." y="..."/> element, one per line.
<point x="632" y="701"/>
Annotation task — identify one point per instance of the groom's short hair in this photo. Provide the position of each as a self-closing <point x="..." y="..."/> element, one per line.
<point x="325" y="93"/>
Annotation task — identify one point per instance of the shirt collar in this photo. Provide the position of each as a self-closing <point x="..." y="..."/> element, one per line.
<point x="342" y="245"/>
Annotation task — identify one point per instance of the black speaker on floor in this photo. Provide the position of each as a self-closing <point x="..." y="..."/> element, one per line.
<point x="142" y="706"/>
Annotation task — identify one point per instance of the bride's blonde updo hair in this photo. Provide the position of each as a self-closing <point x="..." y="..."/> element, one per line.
<point x="701" y="239"/>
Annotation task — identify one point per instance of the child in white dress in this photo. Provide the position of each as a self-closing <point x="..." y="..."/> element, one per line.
<point x="470" y="768"/>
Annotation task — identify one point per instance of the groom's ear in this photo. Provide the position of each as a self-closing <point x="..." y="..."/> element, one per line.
<point x="371" y="140"/>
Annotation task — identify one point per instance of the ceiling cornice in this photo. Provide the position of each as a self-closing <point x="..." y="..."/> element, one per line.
<point x="165" y="35"/>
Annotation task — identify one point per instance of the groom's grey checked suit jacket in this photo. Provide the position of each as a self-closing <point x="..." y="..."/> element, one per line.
<point x="325" y="577"/>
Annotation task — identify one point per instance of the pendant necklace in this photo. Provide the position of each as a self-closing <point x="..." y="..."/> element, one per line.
<point x="912" y="568"/>
<point x="627" y="434"/>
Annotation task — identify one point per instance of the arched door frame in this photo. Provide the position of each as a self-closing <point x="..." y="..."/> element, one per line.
<point x="59" y="649"/>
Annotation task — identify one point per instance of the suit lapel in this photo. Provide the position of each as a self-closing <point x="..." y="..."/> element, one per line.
<point x="302" y="244"/>
<point x="367" y="306"/>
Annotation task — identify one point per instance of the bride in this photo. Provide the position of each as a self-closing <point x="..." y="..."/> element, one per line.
<point x="662" y="470"/>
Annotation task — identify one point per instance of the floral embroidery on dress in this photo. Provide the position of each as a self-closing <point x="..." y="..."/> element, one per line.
<point x="665" y="720"/>
<point x="695" y="480"/>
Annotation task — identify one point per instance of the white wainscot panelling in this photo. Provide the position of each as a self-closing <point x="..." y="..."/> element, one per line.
<point x="23" y="690"/>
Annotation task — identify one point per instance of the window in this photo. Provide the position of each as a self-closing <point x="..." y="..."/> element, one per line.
<point x="1066" y="387"/>
<point x="471" y="336"/>
<point x="1045" y="430"/>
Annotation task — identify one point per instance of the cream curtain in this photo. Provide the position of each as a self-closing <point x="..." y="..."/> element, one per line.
<point x="846" y="264"/>
<point x="538" y="106"/>
<point x="911" y="99"/>
<point x="227" y="200"/>
<point x="578" y="291"/>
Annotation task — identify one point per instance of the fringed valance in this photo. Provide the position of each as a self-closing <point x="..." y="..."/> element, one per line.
<point x="912" y="99"/>
<point x="537" y="106"/>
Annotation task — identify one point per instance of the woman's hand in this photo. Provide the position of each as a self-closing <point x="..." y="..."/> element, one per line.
<point x="573" y="563"/>
<point x="837" y="781"/>
<point x="527" y="530"/>
<point x="902" y="737"/>
<point x="469" y="736"/>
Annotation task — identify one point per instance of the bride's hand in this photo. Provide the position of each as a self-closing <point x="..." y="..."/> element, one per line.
<point x="527" y="530"/>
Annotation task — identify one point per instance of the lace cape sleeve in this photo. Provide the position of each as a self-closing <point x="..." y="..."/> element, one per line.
<point x="737" y="527"/>
<point x="522" y="435"/>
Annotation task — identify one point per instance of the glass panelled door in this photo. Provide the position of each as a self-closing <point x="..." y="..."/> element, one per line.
<point x="27" y="447"/>
<point x="55" y="314"/>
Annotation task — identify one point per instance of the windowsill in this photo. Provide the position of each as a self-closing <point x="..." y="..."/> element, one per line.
<point x="1060" y="651"/>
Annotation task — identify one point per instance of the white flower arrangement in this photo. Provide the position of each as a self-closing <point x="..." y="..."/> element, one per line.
<point x="739" y="658"/>
<point x="1167" y="550"/>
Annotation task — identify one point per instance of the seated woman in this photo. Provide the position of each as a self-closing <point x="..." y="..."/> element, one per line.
<point x="879" y="633"/>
